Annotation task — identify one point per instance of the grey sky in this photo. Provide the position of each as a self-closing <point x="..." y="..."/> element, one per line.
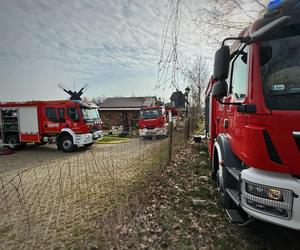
<point x="113" y="45"/>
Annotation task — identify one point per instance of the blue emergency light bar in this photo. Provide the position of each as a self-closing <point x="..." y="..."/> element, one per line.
<point x="274" y="4"/>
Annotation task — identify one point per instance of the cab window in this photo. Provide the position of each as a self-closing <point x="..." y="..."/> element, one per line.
<point x="239" y="75"/>
<point x="73" y="114"/>
<point x="51" y="114"/>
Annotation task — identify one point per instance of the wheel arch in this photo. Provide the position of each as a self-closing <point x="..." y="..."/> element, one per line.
<point x="222" y="149"/>
<point x="64" y="132"/>
<point x="7" y="134"/>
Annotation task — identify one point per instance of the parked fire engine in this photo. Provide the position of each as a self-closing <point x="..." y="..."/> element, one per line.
<point x="254" y="119"/>
<point x="68" y="123"/>
<point x="153" y="122"/>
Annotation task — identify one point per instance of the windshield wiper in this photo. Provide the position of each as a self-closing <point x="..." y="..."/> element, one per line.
<point x="292" y="91"/>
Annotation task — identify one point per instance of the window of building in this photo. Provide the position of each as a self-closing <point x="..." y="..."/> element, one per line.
<point x="51" y="114"/>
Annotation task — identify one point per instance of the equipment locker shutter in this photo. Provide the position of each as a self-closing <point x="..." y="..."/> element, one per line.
<point x="29" y="125"/>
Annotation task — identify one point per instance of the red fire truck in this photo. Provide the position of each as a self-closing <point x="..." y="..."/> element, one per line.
<point x="253" y="114"/>
<point x="68" y="123"/>
<point x="153" y="122"/>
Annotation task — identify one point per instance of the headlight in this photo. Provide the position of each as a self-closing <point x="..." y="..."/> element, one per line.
<point x="264" y="191"/>
<point x="272" y="201"/>
<point x="275" y="194"/>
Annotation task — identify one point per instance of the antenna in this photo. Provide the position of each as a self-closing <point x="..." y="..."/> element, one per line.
<point x="74" y="84"/>
<point x="74" y="95"/>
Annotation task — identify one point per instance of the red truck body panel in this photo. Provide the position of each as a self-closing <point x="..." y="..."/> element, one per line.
<point x="245" y="131"/>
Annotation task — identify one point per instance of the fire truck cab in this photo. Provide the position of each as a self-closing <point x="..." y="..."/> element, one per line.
<point x="153" y="122"/>
<point x="253" y="119"/>
<point x="67" y="123"/>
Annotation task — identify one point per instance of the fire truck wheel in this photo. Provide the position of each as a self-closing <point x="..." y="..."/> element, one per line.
<point x="14" y="142"/>
<point x="66" y="144"/>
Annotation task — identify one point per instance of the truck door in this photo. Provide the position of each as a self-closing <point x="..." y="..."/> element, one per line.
<point x="51" y="121"/>
<point x="73" y="120"/>
<point x="61" y="113"/>
<point x="238" y="84"/>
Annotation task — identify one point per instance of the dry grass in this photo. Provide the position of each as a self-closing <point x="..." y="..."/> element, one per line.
<point x="62" y="203"/>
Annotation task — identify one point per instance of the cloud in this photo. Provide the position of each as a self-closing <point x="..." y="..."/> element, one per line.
<point x="86" y="39"/>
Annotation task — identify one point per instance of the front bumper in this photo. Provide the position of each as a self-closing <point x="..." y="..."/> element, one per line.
<point x="97" y="135"/>
<point x="82" y="139"/>
<point x="284" y="212"/>
<point x="153" y="132"/>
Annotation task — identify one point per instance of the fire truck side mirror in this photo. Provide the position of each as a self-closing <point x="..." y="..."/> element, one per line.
<point x="221" y="64"/>
<point x="219" y="89"/>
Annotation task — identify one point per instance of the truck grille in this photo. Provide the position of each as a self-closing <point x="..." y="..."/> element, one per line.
<point x="261" y="203"/>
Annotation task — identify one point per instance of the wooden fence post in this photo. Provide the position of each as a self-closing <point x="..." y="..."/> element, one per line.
<point x="188" y="129"/>
<point x="170" y="141"/>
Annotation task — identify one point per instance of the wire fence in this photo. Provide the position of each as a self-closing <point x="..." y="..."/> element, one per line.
<point x="62" y="203"/>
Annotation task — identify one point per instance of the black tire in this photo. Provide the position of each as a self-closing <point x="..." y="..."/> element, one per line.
<point x="88" y="145"/>
<point x="14" y="142"/>
<point x="66" y="144"/>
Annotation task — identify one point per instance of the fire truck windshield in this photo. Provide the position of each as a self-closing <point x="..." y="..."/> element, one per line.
<point x="89" y="114"/>
<point x="280" y="72"/>
<point x="150" y="113"/>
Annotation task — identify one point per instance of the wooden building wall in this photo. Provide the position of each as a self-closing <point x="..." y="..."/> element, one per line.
<point x="117" y="118"/>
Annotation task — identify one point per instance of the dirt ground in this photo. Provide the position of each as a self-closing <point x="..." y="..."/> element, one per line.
<point x="79" y="201"/>
<point x="34" y="155"/>
<point x="51" y="199"/>
<point x="179" y="210"/>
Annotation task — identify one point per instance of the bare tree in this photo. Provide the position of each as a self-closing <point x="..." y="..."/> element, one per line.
<point x="216" y="19"/>
<point x="220" y="18"/>
<point x="85" y="99"/>
<point x="168" y="63"/>
<point x="196" y="73"/>
<point x="97" y="100"/>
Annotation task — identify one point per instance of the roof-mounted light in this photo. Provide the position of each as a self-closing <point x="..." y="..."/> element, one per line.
<point x="273" y="4"/>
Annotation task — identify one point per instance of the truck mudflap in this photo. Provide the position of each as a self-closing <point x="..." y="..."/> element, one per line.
<point x="153" y="132"/>
<point x="271" y="197"/>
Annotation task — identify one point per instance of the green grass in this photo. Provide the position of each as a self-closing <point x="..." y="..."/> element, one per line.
<point x="112" y="139"/>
